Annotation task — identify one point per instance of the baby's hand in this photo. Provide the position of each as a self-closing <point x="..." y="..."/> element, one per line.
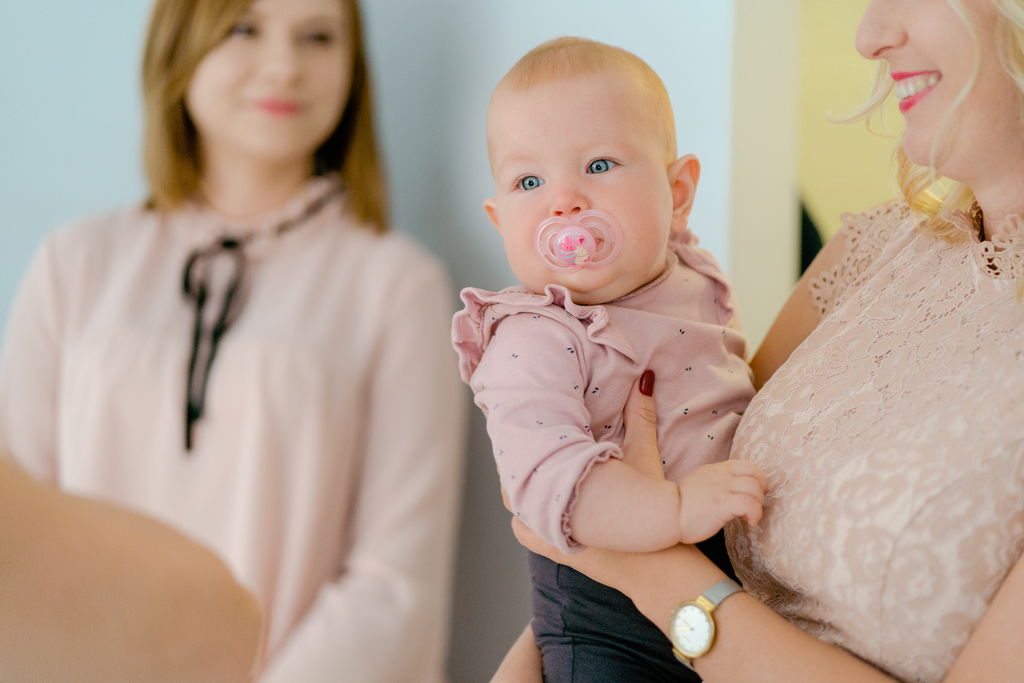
<point x="713" y="494"/>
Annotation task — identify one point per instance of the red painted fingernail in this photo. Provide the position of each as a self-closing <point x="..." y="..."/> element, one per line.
<point x="647" y="383"/>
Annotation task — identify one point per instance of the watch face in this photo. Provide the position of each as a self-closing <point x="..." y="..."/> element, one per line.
<point x="692" y="630"/>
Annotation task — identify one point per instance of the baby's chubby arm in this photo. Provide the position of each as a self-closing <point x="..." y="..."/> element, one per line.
<point x="571" y="489"/>
<point x="619" y="508"/>
<point x="706" y="499"/>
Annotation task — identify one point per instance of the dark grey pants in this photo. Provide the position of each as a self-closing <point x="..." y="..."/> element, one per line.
<point x="590" y="633"/>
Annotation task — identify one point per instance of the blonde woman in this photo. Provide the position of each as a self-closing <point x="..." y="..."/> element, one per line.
<point x="249" y="356"/>
<point x="891" y="429"/>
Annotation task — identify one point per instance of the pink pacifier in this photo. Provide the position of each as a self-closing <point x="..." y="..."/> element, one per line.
<point x="588" y="239"/>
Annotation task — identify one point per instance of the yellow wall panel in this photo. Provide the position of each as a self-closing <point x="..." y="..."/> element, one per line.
<point x="841" y="167"/>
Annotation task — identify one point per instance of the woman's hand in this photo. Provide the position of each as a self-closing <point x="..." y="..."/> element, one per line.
<point x="640" y="444"/>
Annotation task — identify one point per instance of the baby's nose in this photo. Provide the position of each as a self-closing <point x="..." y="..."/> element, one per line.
<point x="568" y="202"/>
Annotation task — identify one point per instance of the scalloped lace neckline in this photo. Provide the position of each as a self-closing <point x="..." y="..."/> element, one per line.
<point x="1002" y="255"/>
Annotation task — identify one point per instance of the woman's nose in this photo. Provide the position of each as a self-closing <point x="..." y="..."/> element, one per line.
<point x="280" y="58"/>
<point x="880" y="29"/>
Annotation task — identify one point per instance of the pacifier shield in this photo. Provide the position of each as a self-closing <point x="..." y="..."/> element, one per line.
<point x="588" y="239"/>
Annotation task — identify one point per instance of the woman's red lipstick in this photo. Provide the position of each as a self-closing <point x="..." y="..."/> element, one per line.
<point x="279" y="107"/>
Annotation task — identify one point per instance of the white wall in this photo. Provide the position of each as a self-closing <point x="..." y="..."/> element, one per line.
<point x="70" y="130"/>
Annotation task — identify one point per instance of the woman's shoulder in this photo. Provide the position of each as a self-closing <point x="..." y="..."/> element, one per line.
<point x="101" y="228"/>
<point x="401" y="256"/>
<point x="868" y="232"/>
<point x="851" y="252"/>
<point x="401" y="249"/>
<point x="389" y="265"/>
<point x="391" y="248"/>
<point x="88" y="238"/>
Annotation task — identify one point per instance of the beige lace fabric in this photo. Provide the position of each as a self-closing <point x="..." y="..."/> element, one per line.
<point x="893" y="439"/>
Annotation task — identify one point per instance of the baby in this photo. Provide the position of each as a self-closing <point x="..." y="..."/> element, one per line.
<point x="592" y="205"/>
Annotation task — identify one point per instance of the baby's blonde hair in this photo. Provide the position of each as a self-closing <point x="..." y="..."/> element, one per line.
<point x="922" y="188"/>
<point x="571" y="57"/>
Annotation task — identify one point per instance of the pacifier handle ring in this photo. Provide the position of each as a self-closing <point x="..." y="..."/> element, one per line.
<point x="570" y="243"/>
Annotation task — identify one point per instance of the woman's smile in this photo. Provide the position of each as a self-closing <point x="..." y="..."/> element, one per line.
<point x="913" y="86"/>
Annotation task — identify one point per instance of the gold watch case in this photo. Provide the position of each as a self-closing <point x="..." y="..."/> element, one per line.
<point x="692" y="627"/>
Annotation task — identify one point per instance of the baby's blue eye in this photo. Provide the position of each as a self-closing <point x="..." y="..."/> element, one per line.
<point x="600" y="166"/>
<point x="530" y="182"/>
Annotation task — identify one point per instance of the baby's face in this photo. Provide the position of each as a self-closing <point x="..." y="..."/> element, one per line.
<point x="572" y="145"/>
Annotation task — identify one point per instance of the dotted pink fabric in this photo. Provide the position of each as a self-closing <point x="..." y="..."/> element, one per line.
<point x="552" y="378"/>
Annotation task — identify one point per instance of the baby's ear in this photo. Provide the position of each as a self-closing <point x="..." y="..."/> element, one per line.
<point x="683" y="175"/>
<point x="491" y="208"/>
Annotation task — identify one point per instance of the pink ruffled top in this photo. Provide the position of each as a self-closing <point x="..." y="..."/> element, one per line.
<point x="552" y="377"/>
<point x="893" y="439"/>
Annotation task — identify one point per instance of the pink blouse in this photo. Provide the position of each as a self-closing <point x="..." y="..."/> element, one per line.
<point x="326" y="466"/>
<point x="552" y="377"/>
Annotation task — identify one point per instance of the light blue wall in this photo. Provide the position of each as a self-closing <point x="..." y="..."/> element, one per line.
<point x="70" y="131"/>
<point x="69" y="123"/>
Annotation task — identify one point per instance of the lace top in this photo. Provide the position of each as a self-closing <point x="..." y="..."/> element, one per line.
<point x="893" y="439"/>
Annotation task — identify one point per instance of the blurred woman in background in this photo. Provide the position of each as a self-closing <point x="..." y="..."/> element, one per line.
<point x="249" y="356"/>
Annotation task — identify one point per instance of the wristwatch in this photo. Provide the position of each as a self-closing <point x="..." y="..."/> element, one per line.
<point x="692" y="626"/>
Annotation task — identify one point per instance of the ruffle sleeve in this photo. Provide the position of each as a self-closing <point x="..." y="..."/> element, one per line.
<point x="474" y="325"/>
<point x="684" y="243"/>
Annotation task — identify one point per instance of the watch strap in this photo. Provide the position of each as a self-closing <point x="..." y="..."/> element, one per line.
<point x="721" y="590"/>
<point x="683" y="659"/>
